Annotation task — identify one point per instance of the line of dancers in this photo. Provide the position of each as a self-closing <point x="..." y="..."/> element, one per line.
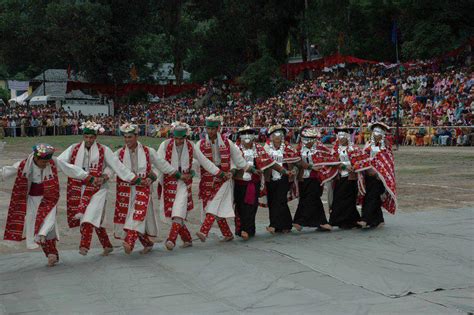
<point x="234" y="180"/>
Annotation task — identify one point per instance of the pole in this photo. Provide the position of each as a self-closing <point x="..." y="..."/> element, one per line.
<point x="398" y="115"/>
<point x="44" y="83"/>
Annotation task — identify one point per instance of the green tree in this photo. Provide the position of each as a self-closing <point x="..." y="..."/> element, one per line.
<point x="261" y="77"/>
<point x="4" y="95"/>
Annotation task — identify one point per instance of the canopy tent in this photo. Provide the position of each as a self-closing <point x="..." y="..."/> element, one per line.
<point x="19" y="99"/>
<point x="43" y="99"/>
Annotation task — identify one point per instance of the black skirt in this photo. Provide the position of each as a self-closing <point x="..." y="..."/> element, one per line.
<point x="310" y="211"/>
<point x="344" y="212"/>
<point x="372" y="207"/>
<point x="277" y="195"/>
<point x="244" y="213"/>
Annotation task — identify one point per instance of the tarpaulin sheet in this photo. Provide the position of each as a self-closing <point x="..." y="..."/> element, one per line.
<point x="343" y="272"/>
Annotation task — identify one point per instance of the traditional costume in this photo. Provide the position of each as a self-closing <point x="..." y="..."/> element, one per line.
<point x="86" y="201"/>
<point x="32" y="211"/>
<point x="380" y="184"/>
<point x="248" y="182"/>
<point x="216" y="192"/>
<point x="176" y="194"/>
<point x="345" y="188"/>
<point x="277" y="186"/>
<point x="135" y="217"/>
<point x="311" y="178"/>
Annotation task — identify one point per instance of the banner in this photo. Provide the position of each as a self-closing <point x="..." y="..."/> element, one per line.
<point x="291" y="70"/>
<point x="18" y="85"/>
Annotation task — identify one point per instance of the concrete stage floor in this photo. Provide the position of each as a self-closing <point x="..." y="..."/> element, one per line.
<point x="420" y="263"/>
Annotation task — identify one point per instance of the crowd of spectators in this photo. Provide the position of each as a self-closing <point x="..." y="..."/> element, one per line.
<point x="436" y="108"/>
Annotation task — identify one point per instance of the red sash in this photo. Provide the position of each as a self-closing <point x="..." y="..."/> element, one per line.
<point x="75" y="202"/>
<point x="18" y="203"/>
<point x="383" y="163"/>
<point x="123" y="191"/>
<point x="170" y="183"/>
<point x="210" y="184"/>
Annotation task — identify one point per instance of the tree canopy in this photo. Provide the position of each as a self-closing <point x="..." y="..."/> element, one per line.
<point x="104" y="39"/>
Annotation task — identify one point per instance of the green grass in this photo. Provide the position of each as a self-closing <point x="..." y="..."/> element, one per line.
<point x="62" y="142"/>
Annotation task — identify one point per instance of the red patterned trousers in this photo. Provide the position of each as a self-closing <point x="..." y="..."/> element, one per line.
<point x="49" y="247"/>
<point x="181" y="230"/>
<point x="132" y="236"/>
<point x="86" y="236"/>
<point x="222" y="222"/>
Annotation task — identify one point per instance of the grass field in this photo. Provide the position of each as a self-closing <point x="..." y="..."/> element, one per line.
<point x="62" y="142"/>
<point x="428" y="178"/>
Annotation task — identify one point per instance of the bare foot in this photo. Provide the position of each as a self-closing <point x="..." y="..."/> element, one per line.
<point x="271" y="229"/>
<point x="201" y="236"/>
<point x="52" y="260"/>
<point x="187" y="244"/>
<point x="227" y="238"/>
<point x="169" y="245"/>
<point x="297" y="227"/>
<point x="127" y="248"/>
<point x="245" y="236"/>
<point x="107" y="251"/>
<point x="362" y="224"/>
<point x="146" y="250"/>
<point x="286" y="231"/>
<point x="325" y="227"/>
<point x="83" y="251"/>
<point x="381" y="225"/>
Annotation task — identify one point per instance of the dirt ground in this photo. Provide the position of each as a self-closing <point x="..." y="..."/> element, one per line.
<point x="428" y="178"/>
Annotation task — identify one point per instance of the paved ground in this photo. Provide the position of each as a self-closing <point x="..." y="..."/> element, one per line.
<point x="420" y="263"/>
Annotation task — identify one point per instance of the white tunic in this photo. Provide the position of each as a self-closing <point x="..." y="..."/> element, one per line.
<point x="344" y="158"/>
<point x="249" y="156"/>
<point x="136" y="162"/>
<point x="94" y="213"/>
<point x="306" y="156"/>
<point x="277" y="155"/>
<point x="49" y="227"/>
<point x="180" y="162"/>
<point x="222" y="205"/>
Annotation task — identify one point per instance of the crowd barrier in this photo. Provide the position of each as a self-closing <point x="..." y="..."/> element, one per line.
<point x="409" y="135"/>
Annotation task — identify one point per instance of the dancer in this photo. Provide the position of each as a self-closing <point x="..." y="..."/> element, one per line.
<point x="380" y="183"/>
<point x="135" y="217"/>
<point x="279" y="186"/>
<point x="176" y="195"/>
<point x="32" y="211"/>
<point x="216" y="192"/>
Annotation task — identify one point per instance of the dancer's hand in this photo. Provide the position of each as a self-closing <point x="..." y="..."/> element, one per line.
<point x="147" y="182"/>
<point x="186" y="177"/>
<point x="98" y="181"/>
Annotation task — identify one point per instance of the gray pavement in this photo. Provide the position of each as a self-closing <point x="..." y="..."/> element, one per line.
<point x="420" y="263"/>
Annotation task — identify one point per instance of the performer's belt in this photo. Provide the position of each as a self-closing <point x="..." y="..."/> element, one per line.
<point x="36" y="189"/>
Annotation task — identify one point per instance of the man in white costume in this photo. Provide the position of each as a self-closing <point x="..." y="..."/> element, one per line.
<point x="217" y="192"/>
<point x="32" y="212"/>
<point x="176" y="196"/>
<point x="135" y="217"/>
<point x="86" y="200"/>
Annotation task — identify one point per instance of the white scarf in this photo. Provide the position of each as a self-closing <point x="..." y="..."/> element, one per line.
<point x="141" y="160"/>
<point x="28" y="169"/>
<point x="93" y="155"/>
<point x="182" y="161"/>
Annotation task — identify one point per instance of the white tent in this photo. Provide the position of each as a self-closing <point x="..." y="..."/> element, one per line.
<point x="39" y="100"/>
<point x="44" y="99"/>
<point x="19" y="99"/>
